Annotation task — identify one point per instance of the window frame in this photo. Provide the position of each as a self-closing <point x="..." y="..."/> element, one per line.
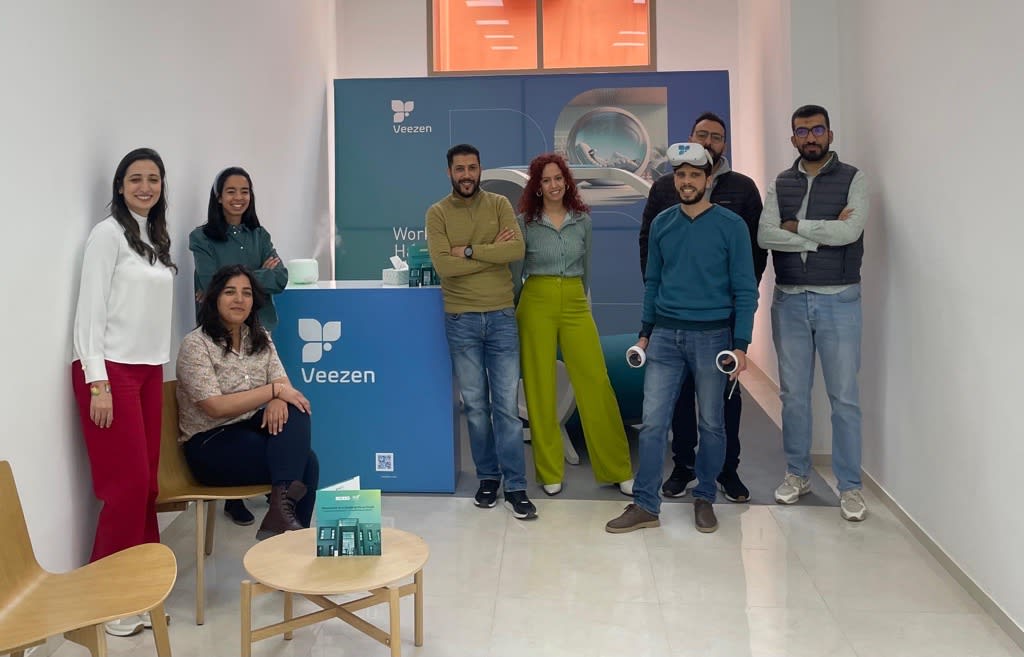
<point x="541" y="70"/>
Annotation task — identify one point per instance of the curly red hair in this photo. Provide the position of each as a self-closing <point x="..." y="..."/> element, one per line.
<point x="531" y="203"/>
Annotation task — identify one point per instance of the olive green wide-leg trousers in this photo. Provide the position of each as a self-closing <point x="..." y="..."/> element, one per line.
<point x="553" y="313"/>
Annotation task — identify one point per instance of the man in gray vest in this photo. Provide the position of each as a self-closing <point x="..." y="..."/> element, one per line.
<point x="813" y="222"/>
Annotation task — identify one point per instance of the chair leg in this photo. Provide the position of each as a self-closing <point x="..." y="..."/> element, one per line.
<point x="93" y="637"/>
<point x="246" y="600"/>
<point x="289" y="612"/>
<point x="211" y="518"/>
<point x="200" y="562"/>
<point x="160" y="636"/>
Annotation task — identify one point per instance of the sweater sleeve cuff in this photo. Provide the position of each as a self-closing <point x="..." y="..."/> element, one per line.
<point x="95" y="369"/>
<point x="742" y="345"/>
<point x="646" y="329"/>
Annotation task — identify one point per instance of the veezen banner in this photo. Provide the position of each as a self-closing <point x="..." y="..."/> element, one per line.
<point x="391" y="137"/>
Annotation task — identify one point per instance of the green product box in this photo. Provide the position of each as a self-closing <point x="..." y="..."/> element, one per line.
<point x="347" y="520"/>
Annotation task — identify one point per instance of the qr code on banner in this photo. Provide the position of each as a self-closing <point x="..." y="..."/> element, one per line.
<point x="385" y="462"/>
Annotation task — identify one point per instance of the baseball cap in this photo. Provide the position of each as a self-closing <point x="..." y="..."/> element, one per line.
<point x="689" y="153"/>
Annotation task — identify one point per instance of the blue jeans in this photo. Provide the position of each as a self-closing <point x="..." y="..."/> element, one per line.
<point x="831" y="325"/>
<point x="671" y="356"/>
<point x="485" y="353"/>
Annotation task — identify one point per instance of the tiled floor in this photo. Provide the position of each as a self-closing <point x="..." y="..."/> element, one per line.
<point x="772" y="581"/>
<point x="794" y="581"/>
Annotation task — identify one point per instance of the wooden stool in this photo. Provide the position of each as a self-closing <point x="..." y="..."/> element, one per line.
<point x="288" y="563"/>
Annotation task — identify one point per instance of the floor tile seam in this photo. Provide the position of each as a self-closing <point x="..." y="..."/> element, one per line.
<point x="834" y="615"/>
<point x="711" y="550"/>
<point x="560" y="545"/>
<point x="838" y="610"/>
<point x="814" y="583"/>
<point x="714" y="549"/>
<point x="570" y="598"/>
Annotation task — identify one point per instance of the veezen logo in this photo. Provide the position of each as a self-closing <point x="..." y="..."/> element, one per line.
<point x="400" y="111"/>
<point x="318" y="338"/>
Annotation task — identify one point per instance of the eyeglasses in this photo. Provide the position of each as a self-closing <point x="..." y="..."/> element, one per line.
<point x="818" y="131"/>
<point x="716" y="137"/>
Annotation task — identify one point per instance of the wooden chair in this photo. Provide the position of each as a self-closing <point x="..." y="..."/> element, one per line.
<point x="36" y="604"/>
<point x="178" y="487"/>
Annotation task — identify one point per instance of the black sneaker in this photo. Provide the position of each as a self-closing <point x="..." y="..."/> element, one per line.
<point x="731" y="486"/>
<point x="239" y="514"/>
<point x="678" y="482"/>
<point x="520" y="505"/>
<point x="487" y="494"/>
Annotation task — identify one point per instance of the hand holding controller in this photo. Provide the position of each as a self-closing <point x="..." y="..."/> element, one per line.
<point x="636" y="356"/>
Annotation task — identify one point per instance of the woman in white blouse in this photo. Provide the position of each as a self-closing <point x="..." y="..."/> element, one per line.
<point x="122" y="338"/>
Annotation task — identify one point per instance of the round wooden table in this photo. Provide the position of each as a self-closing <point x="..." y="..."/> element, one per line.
<point x="288" y="563"/>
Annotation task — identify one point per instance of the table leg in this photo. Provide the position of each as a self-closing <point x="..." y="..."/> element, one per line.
<point x="396" y="625"/>
<point x="418" y="605"/>
<point x="246" y="600"/>
<point x="288" y="612"/>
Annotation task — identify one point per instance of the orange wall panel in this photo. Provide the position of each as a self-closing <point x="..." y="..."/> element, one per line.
<point x="460" y="44"/>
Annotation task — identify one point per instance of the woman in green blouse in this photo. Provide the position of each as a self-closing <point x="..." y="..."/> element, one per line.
<point x="553" y="312"/>
<point x="232" y="235"/>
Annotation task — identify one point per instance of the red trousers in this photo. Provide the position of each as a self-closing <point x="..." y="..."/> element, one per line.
<point x="124" y="457"/>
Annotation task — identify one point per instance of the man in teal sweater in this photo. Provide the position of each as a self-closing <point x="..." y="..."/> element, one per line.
<point x="700" y="282"/>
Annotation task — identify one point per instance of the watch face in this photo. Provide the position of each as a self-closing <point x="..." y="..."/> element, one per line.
<point x="469" y="252"/>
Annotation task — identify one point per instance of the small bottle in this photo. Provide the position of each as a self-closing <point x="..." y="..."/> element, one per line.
<point x="415" y="276"/>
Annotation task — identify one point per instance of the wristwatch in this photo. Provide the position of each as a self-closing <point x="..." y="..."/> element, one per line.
<point x="468" y="252"/>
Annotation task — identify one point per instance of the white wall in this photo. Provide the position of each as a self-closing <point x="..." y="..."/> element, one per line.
<point x="930" y="103"/>
<point x="205" y="83"/>
<point x="381" y="39"/>
<point x="761" y="109"/>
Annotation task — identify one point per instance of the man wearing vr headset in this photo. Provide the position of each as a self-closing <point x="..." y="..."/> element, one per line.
<point x="813" y="222"/>
<point x="733" y="191"/>
<point x="699" y="300"/>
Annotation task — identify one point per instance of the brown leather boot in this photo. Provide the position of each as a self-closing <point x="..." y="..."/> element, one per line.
<point x="280" y="517"/>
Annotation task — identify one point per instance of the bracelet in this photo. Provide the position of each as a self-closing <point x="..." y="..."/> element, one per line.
<point x="94" y="389"/>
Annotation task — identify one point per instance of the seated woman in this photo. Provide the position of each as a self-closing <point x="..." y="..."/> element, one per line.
<point x="241" y="421"/>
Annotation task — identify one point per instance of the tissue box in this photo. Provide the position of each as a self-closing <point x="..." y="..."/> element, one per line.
<point x="392" y="276"/>
<point x="303" y="271"/>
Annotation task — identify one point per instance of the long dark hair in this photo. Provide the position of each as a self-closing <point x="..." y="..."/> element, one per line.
<point x="156" y="222"/>
<point x="209" y="316"/>
<point x="531" y="203"/>
<point x="216" y="226"/>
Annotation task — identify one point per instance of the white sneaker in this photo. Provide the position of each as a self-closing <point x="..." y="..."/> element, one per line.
<point x="552" y="489"/>
<point x="852" y="506"/>
<point x="126" y="626"/>
<point x="792" y="488"/>
<point x="147" y="619"/>
<point x="626" y="487"/>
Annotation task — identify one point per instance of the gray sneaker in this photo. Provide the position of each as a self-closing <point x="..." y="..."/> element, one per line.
<point x="631" y="519"/>
<point x="792" y="488"/>
<point x="852" y="506"/>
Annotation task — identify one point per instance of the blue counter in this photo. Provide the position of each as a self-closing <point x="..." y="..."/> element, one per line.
<point x="374" y="364"/>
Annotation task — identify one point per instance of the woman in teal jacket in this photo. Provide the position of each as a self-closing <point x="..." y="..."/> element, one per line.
<point x="232" y="235"/>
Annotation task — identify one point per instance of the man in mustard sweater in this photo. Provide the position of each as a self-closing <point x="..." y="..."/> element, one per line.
<point x="473" y="236"/>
